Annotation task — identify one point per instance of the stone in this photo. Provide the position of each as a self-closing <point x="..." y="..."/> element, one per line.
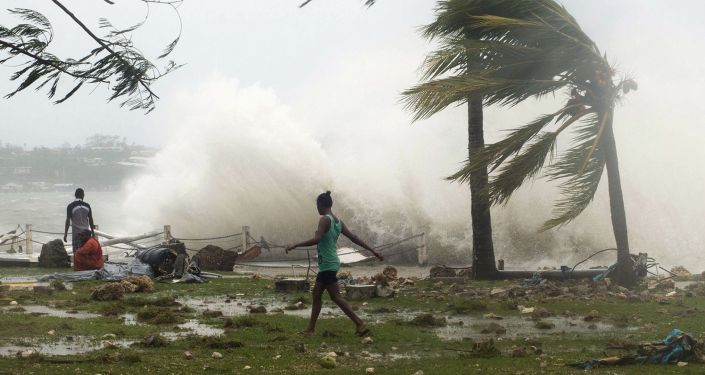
<point x="592" y="316"/>
<point x="370" y="370"/>
<point x="494" y="328"/>
<point x="214" y="258"/>
<point x="525" y="310"/>
<point x="384" y="291"/>
<point x="216" y="355"/>
<point x="27" y="353"/>
<point x="367" y="340"/>
<point x="492" y="316"/>
<point x="258" y="310"/>
<point x="54" y="255"/>
<point x="328" y="362"/>
<point x="291" y="285"/>
<point x="420" y="372"/>
<point x="441" y="271"/>
<point x="188" y="355"/>
<point x="541" y="312"/>
<point x="543" y="324"/>
<point x="360" y="292"/>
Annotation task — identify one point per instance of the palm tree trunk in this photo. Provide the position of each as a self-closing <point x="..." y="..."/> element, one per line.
<point x="624" y="273"/>
<point x="483" y="262"/>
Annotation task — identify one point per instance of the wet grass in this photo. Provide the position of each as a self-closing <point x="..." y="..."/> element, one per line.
<point x="271" y="343"/>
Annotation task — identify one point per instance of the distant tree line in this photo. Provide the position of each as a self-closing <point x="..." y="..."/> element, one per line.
<point x="102" y="162"/>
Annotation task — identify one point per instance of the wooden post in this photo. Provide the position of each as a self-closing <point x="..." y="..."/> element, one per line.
<point x="28" y="239"/>
<point x="421" y="251"/>
<point x="245" y="237"/>
<point x="167" y="233"/>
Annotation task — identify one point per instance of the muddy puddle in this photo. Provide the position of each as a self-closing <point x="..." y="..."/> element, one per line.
<point x="49" y="311"/>
<point x="70" y="345"/>
<point x="240" y="306"/>
<point x="460" y="328"/>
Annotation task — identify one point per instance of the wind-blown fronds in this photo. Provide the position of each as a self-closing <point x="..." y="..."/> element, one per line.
<point x="431" y="97"/>
<point x="581" y="169"/>
<point x="115" y="61"/>
<point x="507" y="51"/>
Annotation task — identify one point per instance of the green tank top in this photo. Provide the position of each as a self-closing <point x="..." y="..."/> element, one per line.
<point x="327" y="247"/>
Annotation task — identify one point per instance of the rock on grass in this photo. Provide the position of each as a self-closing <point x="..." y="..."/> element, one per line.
<point x="428" y="320"/>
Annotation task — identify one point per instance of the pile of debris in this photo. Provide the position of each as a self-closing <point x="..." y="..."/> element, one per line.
<point x="116" y="290"/>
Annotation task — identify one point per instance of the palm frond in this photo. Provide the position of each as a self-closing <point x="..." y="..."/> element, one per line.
<point x="578" y="187"/>
<point x="521" y="168"/>
<point x="429" y="98"/>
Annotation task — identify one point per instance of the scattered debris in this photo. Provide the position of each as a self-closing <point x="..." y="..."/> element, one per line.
<point x="675" y="348"/>
<point x="544" y="324"/>
<point x="493" y="328"/>
<point x="680" y="271"/>
<point x="441" y="271"/>
<point x="428" y="320"/>
<point x="154" y="341"/>
<point x="57" y="285"/>
<point x="109" y="292"/>
<point x="258" y="309"/>
<point x="143" y="283"/>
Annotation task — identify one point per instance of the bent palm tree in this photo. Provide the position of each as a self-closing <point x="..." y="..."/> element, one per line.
<point x="526" y="49"/>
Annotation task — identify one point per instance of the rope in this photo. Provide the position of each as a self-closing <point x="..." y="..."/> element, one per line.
<point x="586" y="259"/>
<point x="43" y="232"/>
<point x="209" y="238"/>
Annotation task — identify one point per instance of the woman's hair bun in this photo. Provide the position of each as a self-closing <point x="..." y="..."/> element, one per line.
<point x="328" y="192"/>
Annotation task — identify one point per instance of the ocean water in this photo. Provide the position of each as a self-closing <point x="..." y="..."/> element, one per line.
<point x="46" y="211"/>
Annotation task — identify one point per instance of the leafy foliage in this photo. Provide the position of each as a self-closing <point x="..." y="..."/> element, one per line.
<point x="115" y="61"/>
<point x="507" y="51"/>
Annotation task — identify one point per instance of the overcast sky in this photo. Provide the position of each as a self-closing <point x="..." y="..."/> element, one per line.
<point x="275" y="44"/>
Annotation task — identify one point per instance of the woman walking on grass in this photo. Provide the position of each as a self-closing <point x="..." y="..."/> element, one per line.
<point x="326" y="238"/>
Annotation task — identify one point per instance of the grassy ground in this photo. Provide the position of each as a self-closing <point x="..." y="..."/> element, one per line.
<point x="270" y="344"/>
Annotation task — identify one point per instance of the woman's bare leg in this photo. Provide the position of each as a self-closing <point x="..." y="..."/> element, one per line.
<point x="316" y="305"/>
<point x="335" y="296"/>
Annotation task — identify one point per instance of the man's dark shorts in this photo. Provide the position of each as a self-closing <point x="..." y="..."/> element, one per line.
<point x="327" y="277"/>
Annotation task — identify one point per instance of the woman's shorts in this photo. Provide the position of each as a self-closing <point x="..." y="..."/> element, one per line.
<point x="327" y="277"/>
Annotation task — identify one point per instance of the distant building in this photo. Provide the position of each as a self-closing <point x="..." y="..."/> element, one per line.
<point x="11" y="187"/>
<point x="22" y="171"/>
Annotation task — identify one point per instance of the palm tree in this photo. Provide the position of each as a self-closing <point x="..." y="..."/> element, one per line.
<point x="520" y="49"/>
<point x="457" y="58"/>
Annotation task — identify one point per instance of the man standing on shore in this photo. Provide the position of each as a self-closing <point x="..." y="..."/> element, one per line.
<point x="80" y="217"/>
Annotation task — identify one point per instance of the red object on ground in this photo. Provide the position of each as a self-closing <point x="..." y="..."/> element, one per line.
<point x="88" y="257"/>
